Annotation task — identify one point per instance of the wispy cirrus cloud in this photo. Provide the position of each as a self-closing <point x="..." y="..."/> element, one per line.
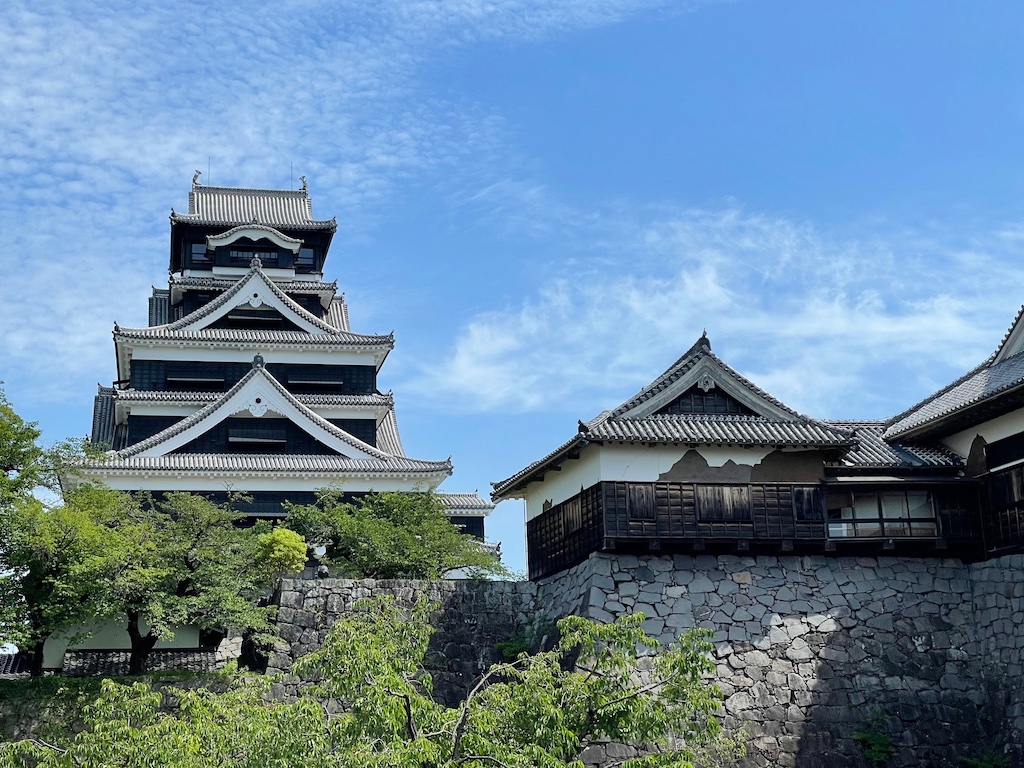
<point x="107" y="108"/>
<point x="834" y="326"/>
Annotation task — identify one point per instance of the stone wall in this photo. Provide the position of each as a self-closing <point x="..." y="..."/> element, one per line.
<point x="473" y="617"/>
<point x="807" y="648"/>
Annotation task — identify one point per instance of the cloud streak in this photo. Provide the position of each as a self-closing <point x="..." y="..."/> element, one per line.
<point x="835" y="327"/>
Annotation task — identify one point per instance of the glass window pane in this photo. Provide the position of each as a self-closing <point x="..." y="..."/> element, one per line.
<point x="901" y="528"/>
<point x="869" y="529"/>
<point x="894" y="506"/>
<point x="920" y="504"/>
<point x="841" y="530"/>
<point x="924" y="529"/>
<point x="865" y="506"/>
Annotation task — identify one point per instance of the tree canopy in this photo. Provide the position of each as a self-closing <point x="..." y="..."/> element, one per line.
<point x="390" y="535"/>
<point x="22" y="465"/>
<point x="155" y="564"/>
<point x="367" y="703"/>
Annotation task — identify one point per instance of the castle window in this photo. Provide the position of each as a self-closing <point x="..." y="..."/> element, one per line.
<point x="243" y="256"/>
<point x="723" y="502"/>
<point x="713" y="401"/>
<point x="305" y="258"/>
<point x="641" y="502"/>
<point x="199" y="255"/>
<point x="884" y="514"/>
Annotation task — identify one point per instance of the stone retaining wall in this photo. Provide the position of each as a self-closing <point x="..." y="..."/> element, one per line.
<point x="807" y="648"/>
<point x="472" y="619"/>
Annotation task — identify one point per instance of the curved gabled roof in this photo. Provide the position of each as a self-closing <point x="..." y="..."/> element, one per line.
<point x="236" y="399"/>
<point x="230" y="206"/>
<point x="770" y="423"/>
<point x="257" y="289"/>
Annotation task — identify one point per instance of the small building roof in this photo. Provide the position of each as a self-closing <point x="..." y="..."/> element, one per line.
<point x="766" y="421"/>
<point x="465" y="504"/>
<point x="873" y="450"/>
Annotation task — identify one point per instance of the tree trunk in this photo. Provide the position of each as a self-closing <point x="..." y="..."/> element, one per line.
<point x="142" y="644"/>
<point x="36" y="670"/>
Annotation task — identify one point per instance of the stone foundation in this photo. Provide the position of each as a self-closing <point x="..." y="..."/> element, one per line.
<point x="807" y="648"/>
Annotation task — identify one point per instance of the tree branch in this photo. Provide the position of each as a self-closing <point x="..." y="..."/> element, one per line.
<point x="409" y="721"/>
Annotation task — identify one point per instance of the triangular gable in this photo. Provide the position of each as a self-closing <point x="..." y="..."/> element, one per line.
<point x="255" y="289"/>
<point x="1013" y="342"/>
<point x="699" y="368"/>
<point x="259" y="393"/>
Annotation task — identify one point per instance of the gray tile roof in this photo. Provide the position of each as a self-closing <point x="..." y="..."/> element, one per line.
<point x="690" y="358"/>
<point x="14" y="665"/>
<point x="227" y="297"/>
<point x="271" y="464"/>
<point x="332" y="334"/>
<point x="210" y="411"/>
<point x="159" y="307"/>
<point x="343" y="339"/>
<point x="337" y="313"/>
<point x="388" y="439"/>
<point x="224" y="283"/>
<point x="716" y="429"/>
<point x="872" y="450"/>
<point x="103" y="417"/>
<point x="985" y="382"/>
<point x="284" y="208"/>
<point x="377" y="400"/>
<point x="87" y="663"/>
<point x="619" y="426"/>
<point x="466" y="503"/>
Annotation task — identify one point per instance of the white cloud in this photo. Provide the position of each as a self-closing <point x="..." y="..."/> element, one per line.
<point x="833" y="327"/>
<point x="107" y="108"/>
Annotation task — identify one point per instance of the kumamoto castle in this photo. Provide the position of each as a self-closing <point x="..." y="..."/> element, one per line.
<point x="849" y="570"/>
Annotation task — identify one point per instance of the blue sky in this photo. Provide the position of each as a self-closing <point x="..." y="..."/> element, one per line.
<point x="546" y="201"/>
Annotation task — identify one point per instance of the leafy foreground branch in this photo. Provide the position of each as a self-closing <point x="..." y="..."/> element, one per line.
<point x="367" y="703"/>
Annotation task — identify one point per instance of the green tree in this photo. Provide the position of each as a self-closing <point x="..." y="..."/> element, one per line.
<point x="22" y="460"/>
<point x="390" y="536"/>
<point x="188" y="562"/>
<point x="368" y="704"/>
<point x="59" y="560"/>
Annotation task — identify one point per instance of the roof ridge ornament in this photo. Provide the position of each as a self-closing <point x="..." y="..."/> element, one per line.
<point x="257" y="362"/>
<point x="256" y="263"/>
<point x="305" y="186"/>
<point x="195" y="179"/>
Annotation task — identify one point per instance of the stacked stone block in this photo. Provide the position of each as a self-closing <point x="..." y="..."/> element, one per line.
<point x="807" y="649"/>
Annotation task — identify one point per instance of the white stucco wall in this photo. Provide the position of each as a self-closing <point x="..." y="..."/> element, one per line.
<point x="995" y="429"/>
<point x="110" y="635"/>
<point x="624" y="463"/>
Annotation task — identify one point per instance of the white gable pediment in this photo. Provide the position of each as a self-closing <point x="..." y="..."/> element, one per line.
<point x="254" y="232"/>
<point x="1013" y="342"/>
<point x="255" y="396"/>
<point x="254" y="290"/>
<point x="707" y="373"/>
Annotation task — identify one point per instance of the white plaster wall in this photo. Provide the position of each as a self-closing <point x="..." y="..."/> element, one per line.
<point x="624" y="463"/>
<point x="994" y="429"/>
<point x="110" y="635"/>
<point x="559" y="486"/>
